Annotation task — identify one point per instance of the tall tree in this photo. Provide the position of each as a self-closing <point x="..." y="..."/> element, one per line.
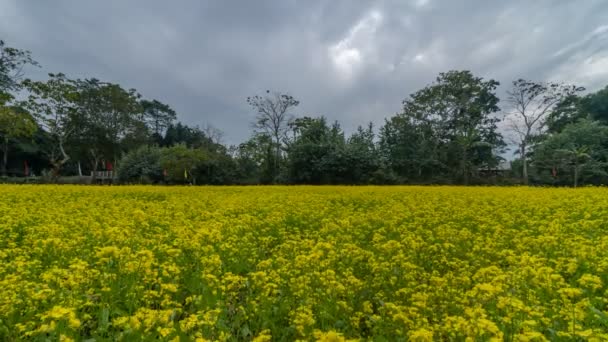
<point x="157" y="116"/>
<point x="448" y="126"/>
<point x="313" y="154"/>
<point x="53" y="103"/>
<point x="107" y="114"/>
<point x="531" y="103"/>
<point x="362" y="156"/>
<point x="272" y="118"/>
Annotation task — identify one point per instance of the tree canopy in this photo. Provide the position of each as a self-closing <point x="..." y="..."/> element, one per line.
<point x="446" y="133"/>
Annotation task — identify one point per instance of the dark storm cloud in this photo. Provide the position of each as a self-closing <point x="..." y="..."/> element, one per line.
<point x="354" y="61"/>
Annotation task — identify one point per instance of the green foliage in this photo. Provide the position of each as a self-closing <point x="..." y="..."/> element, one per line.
<point x="446" y="133"/>
<point x="53" y="104"/>
<point x="141" y="165"/>
<point x="158" y="117"/>
<point x="255" y="160"/>
<point x="578" y="154"/>
<point x="182" y="163"/>
<point x="595" y="105"/>
<point x="445" y="130"/>
<point x="14" y="123"/>
<point x="106" y="117"/>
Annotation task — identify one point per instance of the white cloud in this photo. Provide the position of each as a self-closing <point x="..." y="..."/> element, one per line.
<point x="349" y="54"/>
<point x="600" y="32"/>
<point x="591" y="71"/>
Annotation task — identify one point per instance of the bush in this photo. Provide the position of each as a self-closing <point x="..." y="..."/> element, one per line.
<point x="182" y="163"/>
<point x="141" y="166"/>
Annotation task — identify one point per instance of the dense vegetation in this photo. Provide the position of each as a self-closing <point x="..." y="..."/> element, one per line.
<point x="447" y="133"/>
<point x="312" y="263"/>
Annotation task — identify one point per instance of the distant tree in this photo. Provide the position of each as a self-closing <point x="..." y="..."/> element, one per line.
<point x="106" y="116"/>
<point x="531" y="103"/>
<point x="14" y="123"/>
<point x="595" y="105"/>
<point x="141" y="165"/>
<point x="567" y="111"/>
<point x="254" y="159"/>
<point x="182" y="163"/>
<point x="215" y="134"/>
<point x="363" y="157"/>
<point x="272" y="117"/>
<point x="157" y="116"/>
<point x="53" y="104"/>
<point x="12" y="62"/>
<point x="312" y="155"/>
<point x="579" y="151"/>
<point x="448" y="126"/>
<point x="194" y="137"/>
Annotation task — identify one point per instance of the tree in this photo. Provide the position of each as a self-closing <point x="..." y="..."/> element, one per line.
<point x="410" y="146"/>
<point x="181" y="163"/>
<point x="272" y="117"/>
<point x="578" y="152"/>
<point x="362" y="156"/>
<point x="567" y="111"/>
<point x="53" y="103"/>
<point x="141" y="165"/>
<point x="157" y="116"/>
<point x="214" y="134"/>
<point x="531" y="103"/>
<point x="254" y="159"/>
<point x="312" y="155"/>
<point x="106" y="115"/>
<point x="447" y="127"/>
<point x="595" y="105"/>
<point x="12" y="62"/>
<point x="194" y="137"/>
<point x="14" y="123"/>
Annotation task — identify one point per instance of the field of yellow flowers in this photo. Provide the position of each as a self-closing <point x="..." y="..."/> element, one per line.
<point x="310" y="263"/>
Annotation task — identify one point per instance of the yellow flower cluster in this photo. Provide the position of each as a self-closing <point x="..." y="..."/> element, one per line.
<point x="303" y="263"/>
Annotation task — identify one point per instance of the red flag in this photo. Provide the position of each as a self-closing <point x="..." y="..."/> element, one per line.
<point x="26" y="168"/>
<point x="109" y="166"/>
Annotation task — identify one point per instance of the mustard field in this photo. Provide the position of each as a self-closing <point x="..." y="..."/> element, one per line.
<point x="310" y="263"/>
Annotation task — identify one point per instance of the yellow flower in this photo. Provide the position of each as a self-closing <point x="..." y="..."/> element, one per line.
<point x="421" y="335"/>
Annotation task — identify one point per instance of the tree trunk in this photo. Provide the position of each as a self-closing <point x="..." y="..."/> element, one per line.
<point x="95" y="164"/>
<point x="79" y="169"/>
<point x="4" y="156"/>
<point x="57" y="164"/>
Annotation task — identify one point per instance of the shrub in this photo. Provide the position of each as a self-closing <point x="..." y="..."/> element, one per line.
<point x="141" y="165"/>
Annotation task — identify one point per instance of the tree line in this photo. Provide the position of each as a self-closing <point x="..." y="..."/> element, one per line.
<point x="450" y="132"/>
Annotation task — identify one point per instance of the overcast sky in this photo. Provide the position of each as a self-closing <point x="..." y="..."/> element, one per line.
<point x="352" y="61"/>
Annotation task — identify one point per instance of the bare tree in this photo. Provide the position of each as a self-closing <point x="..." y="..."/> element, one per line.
<point x="272" y="118"/>
<point x="215" y="134"/>
<point x="531" y="103"/>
